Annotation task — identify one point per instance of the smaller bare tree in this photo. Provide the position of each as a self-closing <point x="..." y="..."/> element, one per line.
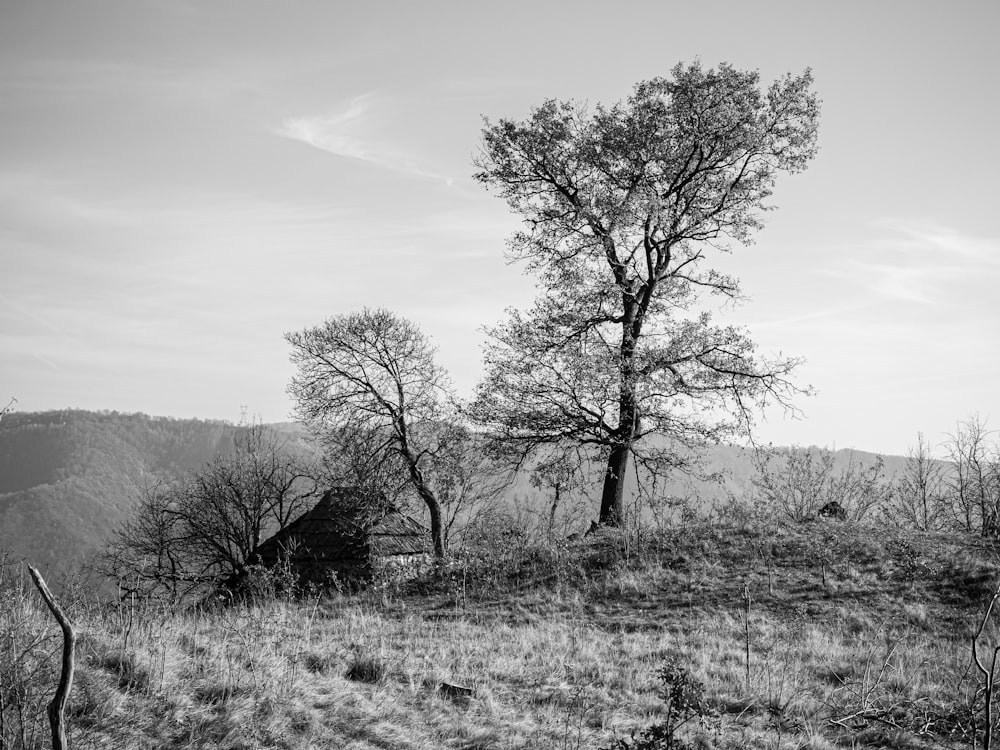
<point x="375" y="371"/>
<point x="205" y="527"/>
<point x="465" y="474"/>
<point x="919" y="497"/>
<point x="562" y="471"/>
<point x="236" y="501"/>
<point x="145" y="554"/>
<point x="974" y="484"/>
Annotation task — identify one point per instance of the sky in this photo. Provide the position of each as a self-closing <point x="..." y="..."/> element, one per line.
<point x="182" y="183"/>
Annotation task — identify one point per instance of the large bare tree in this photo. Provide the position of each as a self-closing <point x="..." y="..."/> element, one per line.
<point x="373" y="373"/>
<point x="624" y="210"/>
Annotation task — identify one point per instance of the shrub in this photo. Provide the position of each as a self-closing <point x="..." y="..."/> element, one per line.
<point x="684" y="697"/>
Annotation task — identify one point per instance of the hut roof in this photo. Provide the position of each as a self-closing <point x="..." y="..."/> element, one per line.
<point x="343" y="525"/>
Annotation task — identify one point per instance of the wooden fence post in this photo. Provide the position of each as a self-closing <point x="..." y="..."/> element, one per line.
<point x="57" y="708"/>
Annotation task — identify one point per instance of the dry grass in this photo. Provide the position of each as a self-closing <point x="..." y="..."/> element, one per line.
<point x="858" y="638"/>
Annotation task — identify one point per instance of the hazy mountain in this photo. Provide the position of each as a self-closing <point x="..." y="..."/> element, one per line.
<point x="67" y="478"/>
<point x="731" y="470"/>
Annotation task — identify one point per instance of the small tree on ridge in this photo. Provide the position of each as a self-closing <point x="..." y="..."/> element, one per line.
<point x="373" y="371"/>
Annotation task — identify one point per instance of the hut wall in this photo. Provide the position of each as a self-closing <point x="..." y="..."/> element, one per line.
<point x="400" y="567"/>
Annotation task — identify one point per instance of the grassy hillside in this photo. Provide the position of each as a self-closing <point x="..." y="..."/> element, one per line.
<point x="858" y="638"/>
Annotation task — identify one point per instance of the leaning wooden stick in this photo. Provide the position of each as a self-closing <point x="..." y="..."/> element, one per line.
<point x="989" y="675"/>
<point x="57" y="707"/>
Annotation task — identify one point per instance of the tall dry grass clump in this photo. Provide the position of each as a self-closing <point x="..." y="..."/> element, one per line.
<point x="29" y="660"/>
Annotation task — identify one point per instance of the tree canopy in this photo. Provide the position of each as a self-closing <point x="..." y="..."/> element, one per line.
<point x="373" y="373"/>
<point x="626" y="210"/>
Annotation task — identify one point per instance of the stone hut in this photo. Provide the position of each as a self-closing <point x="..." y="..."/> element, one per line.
<point x="348" y="536"/>
<point x="833" y="510"/>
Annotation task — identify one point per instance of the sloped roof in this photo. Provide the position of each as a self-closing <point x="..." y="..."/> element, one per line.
<point x="342" y="526"/>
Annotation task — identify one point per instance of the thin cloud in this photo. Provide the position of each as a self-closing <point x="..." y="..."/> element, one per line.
<point x="837" y="312"/>
<point x="944" y="240"/>
<point x="52" y="365"/>
<point x="27" y="314"/>
<point x="919" y="262"/>
<point x="906" y="284"/>
<point x="37" y="197"/>
<point x="352" y="132"/>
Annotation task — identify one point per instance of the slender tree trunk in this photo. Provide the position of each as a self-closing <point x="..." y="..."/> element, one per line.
<point x="553" y="509"/>
<point x="425" y="492"/>
<point x="430" y="500"/>
<point x="434" y="508"/>
<point x="612" y="507"/>
<point x="923" y="500"/>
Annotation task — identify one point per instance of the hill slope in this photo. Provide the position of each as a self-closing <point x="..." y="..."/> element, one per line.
<point x="68" y="477"/>
<point x="856" y="637"/>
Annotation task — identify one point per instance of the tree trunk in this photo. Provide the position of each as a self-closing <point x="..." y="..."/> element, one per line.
<point x="553" y="509"/>
<point x="430" y="500"/>
<point x="425" y="492"/>
<point x="434" y="508"/>
<point x="612" y="511"/>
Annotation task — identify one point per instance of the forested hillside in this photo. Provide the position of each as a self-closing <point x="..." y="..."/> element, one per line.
<point x="68" y="477"/>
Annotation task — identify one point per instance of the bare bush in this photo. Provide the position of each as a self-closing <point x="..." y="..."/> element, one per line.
<point x="919" y="499"/>
<point x="205" y="527"/>
<point x="798" y="482"/>
<point x="973" y="488"/>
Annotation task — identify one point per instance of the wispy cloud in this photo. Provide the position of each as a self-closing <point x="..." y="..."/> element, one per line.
<point x="357" y="130"/>
<point x="837" y="312"/>
<point x="919" y="262"/>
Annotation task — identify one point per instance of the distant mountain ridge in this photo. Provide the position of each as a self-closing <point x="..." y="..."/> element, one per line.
<point x="735" y="466"/>
<point x="69" y="477"/>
